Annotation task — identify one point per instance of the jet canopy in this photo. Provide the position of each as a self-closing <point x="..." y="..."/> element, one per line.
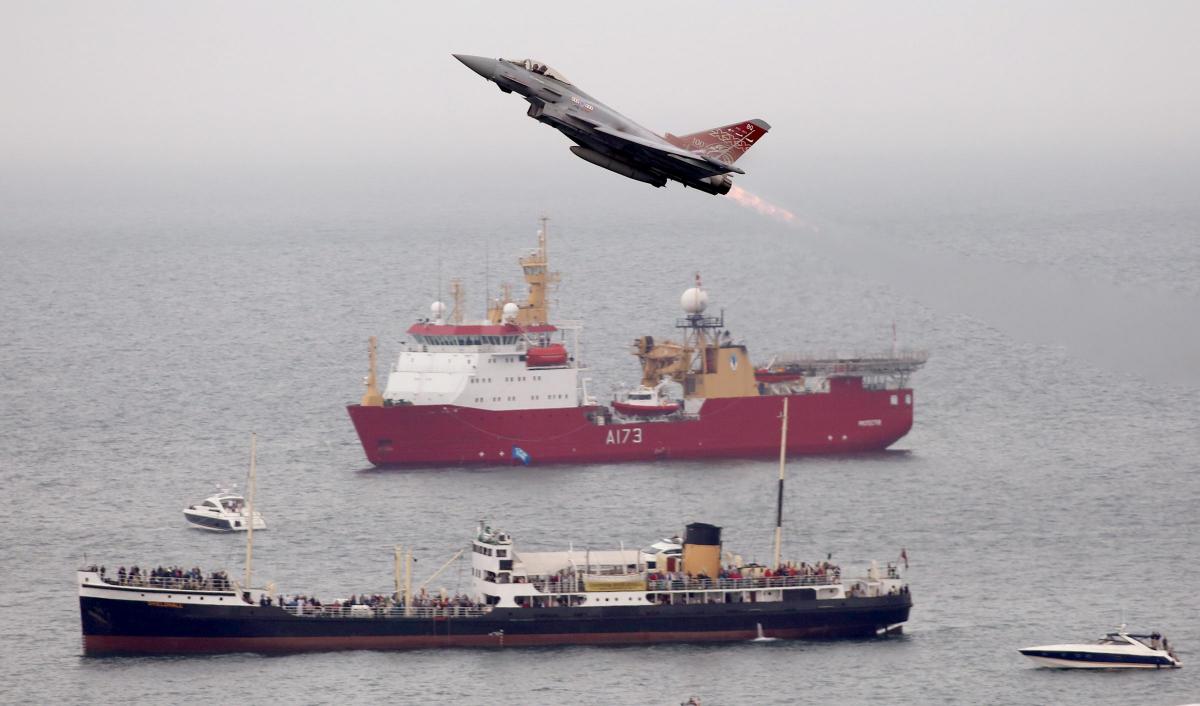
<point x="539" y="68"/>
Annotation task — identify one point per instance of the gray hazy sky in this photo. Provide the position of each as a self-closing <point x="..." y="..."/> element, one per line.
<point x="857" y="92"/>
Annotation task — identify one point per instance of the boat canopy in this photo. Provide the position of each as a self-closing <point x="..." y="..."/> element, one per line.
<point x="539" y="68"/>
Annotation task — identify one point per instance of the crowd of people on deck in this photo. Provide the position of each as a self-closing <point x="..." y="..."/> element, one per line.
<point x="377" y="603"/>
<point x="860" y="591"/>
<point x="820" y="572"/>
<point x="192" y="579"/>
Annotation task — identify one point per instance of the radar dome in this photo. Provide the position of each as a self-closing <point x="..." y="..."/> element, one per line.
<point x="694" y="301"/>
<point x="510" y="311"/>
<point x="437" y="310"/>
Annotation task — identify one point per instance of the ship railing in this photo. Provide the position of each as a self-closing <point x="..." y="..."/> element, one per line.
<point x="171" y="583"/>
<point x="574" y="585"/>
<point x="718" y="584"/>
<point x="899" y="363"/>
<point x="390" y="611"/>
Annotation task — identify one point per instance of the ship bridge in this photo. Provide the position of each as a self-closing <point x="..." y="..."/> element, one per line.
<point x="462" y="335"/>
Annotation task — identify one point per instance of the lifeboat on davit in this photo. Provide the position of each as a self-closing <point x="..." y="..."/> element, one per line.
<point x="549" y="356"/>
<point x="768" y="375"/>
<point x="645" y="402"/>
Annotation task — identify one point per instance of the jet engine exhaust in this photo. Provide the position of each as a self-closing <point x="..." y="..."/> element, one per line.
<point x="757" y="203"/>
<point x="718" y="185"/>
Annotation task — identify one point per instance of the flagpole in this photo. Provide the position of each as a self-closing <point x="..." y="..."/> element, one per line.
<point x="779" y="500"/>
<point x="250" y="517"/>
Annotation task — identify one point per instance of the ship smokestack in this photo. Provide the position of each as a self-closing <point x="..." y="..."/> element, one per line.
<point x="702" y="550"/>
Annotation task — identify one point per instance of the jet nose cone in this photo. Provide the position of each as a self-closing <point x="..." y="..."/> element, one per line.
<point x="481" y="65"/>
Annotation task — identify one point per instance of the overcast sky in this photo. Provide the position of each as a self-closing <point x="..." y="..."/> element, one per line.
<point x="856" y="92"/>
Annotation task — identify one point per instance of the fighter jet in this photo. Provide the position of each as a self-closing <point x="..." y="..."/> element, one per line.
<point x="604" y="137"/>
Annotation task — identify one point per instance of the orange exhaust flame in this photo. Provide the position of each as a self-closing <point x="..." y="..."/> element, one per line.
<point x="757" y="203"/>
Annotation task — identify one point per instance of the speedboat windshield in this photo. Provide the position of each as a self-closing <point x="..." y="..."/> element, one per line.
<point x="539" y="68"/>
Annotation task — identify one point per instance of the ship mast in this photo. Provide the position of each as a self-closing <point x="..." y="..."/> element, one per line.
<point x="779" y="500"/>
<point x="457" y="295"/>
<point x="250" y="515"/>
<point x="536" y="268"/>
<point x="372" y="398"/>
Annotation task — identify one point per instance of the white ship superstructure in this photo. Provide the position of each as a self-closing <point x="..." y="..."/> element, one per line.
<point x="485" y="366"/>
<point x="506" y="578"/>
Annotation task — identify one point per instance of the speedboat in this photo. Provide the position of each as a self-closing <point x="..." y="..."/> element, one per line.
<point x="1116" y="650"/>
<point x="223" y="512"/>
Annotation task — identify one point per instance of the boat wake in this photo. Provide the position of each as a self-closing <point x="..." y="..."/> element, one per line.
<point x="761" y="637"/>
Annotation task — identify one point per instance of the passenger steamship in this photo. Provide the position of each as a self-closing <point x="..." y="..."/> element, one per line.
<point x="666" y="593"/>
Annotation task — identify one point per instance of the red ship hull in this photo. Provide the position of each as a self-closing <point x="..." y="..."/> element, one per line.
<point x="846" y="419"/>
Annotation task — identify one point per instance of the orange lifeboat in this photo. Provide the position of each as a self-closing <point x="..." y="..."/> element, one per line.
<point x="546" y="356"/>
<point x="772" y="376"/>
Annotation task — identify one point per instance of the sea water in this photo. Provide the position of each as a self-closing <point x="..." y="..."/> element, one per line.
<point x="1047" y="491"/>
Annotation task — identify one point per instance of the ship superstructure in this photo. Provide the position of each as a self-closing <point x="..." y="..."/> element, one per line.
<point x="509" y="389"/>
<point x="515" y="359"/>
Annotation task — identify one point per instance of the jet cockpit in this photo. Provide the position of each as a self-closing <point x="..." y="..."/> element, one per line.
<point x="539" y="68"/>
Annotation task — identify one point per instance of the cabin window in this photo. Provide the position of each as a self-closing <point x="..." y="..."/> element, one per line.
<point x="506" y="564"/>
<point x="501" y="552"/>
<point x="895" y="400"/>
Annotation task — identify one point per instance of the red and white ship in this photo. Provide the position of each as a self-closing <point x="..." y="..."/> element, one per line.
<point x="509" y="390"/>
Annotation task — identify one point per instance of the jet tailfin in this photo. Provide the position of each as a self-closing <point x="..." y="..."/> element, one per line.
<point x="724" y="143"/>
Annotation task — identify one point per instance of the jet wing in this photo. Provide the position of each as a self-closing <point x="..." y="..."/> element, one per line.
<point x="663" y="152"/>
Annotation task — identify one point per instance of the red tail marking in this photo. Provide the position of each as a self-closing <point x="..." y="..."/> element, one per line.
<point x="724" y="143"/>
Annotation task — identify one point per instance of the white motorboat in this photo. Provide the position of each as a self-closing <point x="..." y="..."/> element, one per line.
<point x="223" y="512"/>
<point x="1116" y="650"/>
<point x="647" y="402"/>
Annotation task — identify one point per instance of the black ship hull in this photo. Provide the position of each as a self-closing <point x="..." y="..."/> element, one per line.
<point x="167" y="627"/>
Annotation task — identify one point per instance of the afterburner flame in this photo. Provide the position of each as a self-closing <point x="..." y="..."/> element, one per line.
<point x="757" y="203"/>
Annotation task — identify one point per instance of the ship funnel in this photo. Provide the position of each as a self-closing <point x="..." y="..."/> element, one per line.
<point x="702" y="550"/>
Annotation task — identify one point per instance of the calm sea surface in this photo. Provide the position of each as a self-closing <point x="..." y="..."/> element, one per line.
<point x="1048" y="486"/>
